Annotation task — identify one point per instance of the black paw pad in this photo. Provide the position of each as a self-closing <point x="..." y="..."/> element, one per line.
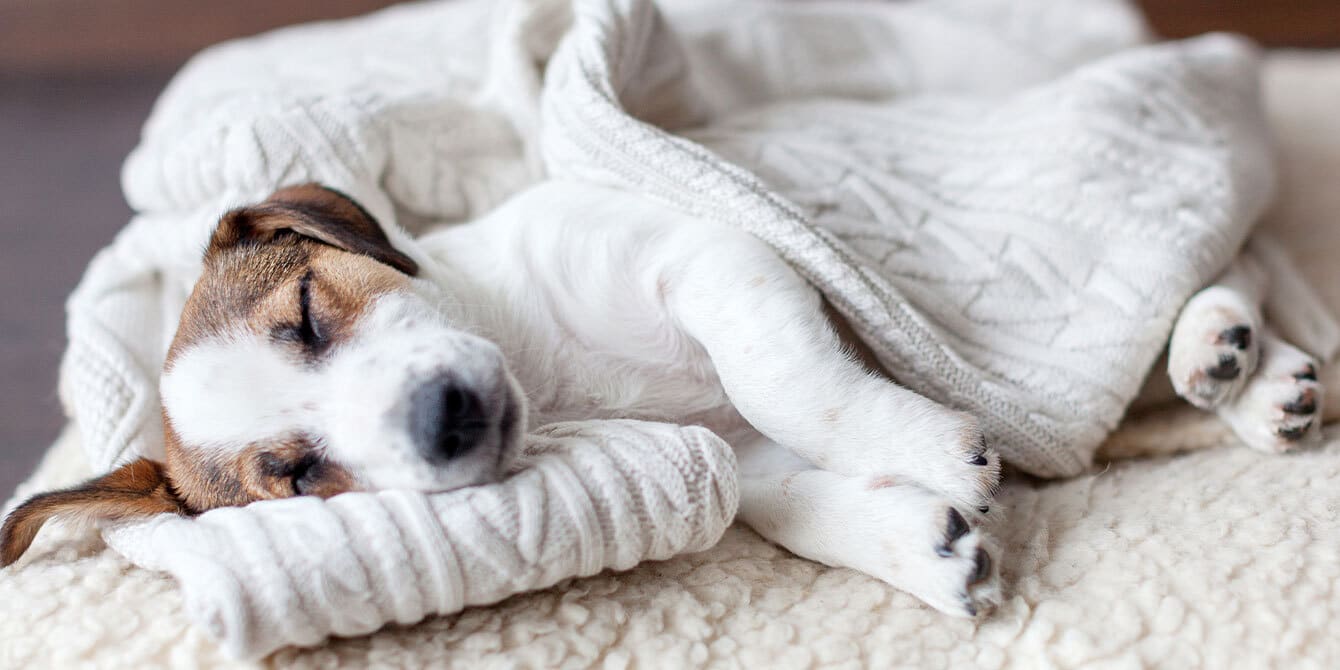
<point x="982" y="566"/>
<point x="1308" y="373"/>
<point x="1238" y="336"/>
<point x="1227" y="368"/>
<point x="1295" y="432"/>
<point x="1306" y="403"/>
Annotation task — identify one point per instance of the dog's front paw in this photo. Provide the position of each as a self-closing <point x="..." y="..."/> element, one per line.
<point x="1214" y="347"/>
<point x="966" y="570"/>
<point x="934" y="552"/>
<point x="1279" y="410"/>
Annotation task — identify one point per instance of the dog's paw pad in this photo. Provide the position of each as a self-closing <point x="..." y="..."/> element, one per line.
<point x="1305" y="403"/>
<point x="1278" y="410"/>
<point x="926" y="546"/>
<point x="1239" y="337"/>
<point x="965" y="568"/>
<point x="1213" y="350"/>
<point x="1225" y="369"/>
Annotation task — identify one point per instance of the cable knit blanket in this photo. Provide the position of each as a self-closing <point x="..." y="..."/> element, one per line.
<point x="587" y="497"/>
<point x="1010" y="199"/>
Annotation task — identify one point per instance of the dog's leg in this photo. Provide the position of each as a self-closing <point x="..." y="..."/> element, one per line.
<point x="1216" y="342"/>
<point x="1278" y="410"/>
<point x="900" y="533"/>
<point x="785" y="370"/>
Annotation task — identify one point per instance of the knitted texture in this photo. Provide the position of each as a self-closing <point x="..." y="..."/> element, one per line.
<point x="1020" y="256"/>
<point x="589" y="496"/>
<point x="1012" y="234"/>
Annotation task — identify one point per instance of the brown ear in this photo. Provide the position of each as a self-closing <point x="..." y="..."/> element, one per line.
<point x="136" y="489"/>
<point x="317" y="212"/>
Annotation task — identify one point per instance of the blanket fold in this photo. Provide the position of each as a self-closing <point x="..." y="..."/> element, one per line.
<point x="589" y="496"/>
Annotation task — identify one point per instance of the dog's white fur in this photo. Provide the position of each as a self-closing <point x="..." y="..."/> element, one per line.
<point x="355" y="400"/>
<point x="599" y="304"/>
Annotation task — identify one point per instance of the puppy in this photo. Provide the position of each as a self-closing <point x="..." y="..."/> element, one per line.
<point x="313" y="358"/>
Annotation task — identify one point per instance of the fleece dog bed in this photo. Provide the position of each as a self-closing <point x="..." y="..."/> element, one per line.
<point x="1219" y="557"/>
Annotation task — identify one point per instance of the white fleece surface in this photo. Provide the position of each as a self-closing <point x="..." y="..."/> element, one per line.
<point x="1219" y="558"/>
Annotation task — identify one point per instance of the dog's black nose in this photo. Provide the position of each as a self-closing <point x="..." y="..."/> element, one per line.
<point x="446" y="420"/>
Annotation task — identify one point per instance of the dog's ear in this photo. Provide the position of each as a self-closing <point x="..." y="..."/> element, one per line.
<point x="137" y="489"/>
<point x="311" y="210"/>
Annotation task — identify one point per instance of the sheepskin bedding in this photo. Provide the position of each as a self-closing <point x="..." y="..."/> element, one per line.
<point x="1217" y="558"/>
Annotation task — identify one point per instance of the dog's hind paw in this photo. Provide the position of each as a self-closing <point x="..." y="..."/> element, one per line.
<point x="1215" y="347"/>
<point x="1279" y="410"/>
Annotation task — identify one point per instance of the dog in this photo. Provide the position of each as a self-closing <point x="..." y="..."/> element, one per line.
<point x="315" y="358"/>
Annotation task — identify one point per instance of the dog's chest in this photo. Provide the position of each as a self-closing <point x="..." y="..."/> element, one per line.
<point x="635" y="368"/>
<point x="575" y="299"/>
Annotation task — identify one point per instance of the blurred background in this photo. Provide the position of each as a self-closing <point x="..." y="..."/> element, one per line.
<point x="78" y="77"/>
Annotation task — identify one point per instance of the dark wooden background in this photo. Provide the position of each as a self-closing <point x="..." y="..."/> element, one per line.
<point x="77" y="78"/>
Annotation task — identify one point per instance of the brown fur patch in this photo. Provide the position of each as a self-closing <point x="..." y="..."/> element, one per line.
<point x="259" y="263"/>
<point x="257" y="289"/>
<point x="314" y="212"/>
<point x="207" y="479"/>
<point x="137" y="489"/>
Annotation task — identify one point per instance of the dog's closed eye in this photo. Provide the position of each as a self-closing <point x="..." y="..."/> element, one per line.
<point x="306" y="473"/>
<point x="307" y="331"/>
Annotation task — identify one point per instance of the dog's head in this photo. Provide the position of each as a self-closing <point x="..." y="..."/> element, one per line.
<point x="308" y="361"/>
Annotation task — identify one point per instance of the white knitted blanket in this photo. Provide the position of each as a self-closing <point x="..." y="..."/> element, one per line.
<point x="1008" y="198"/>
<point x="588" y="497"/>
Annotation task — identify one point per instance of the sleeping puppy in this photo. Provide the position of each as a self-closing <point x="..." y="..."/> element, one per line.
<point x="313" y="358"/>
